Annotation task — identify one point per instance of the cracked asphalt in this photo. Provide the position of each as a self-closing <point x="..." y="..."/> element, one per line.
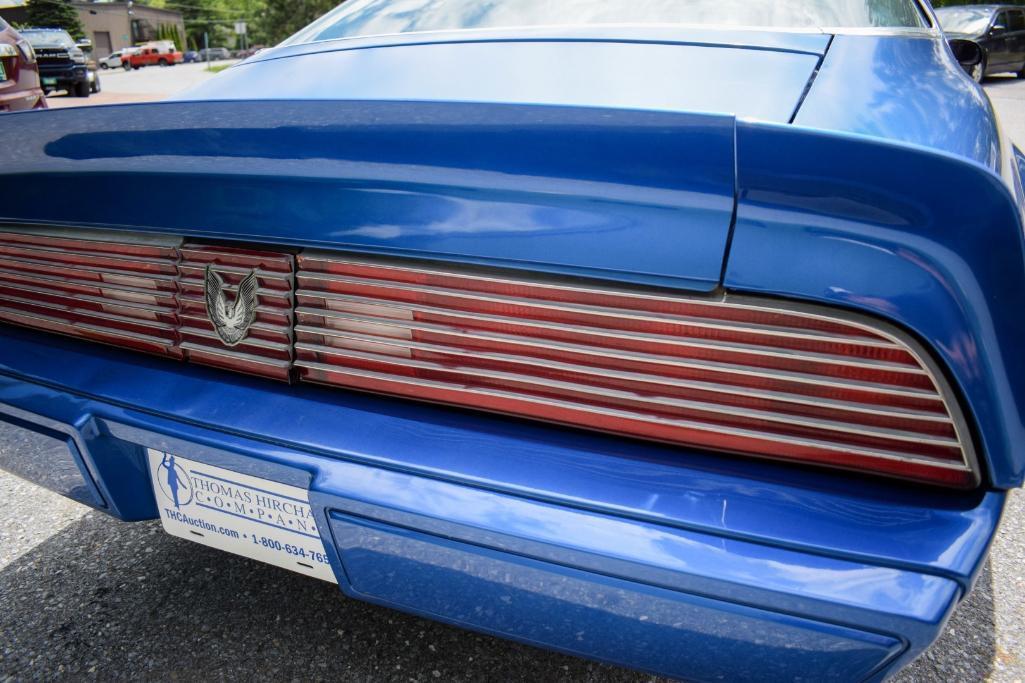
<point x="84" y="596"/>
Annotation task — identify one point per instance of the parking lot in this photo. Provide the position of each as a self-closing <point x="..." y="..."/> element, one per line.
<point x="84" y="595"/>
<point x="145" y="85"/>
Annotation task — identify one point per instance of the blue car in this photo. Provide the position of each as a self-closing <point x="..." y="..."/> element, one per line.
<point x="683" y="336"/>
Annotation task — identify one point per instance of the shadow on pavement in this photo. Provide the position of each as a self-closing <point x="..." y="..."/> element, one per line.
<point x="117" y="601"/>
<point x="968" y="646"/>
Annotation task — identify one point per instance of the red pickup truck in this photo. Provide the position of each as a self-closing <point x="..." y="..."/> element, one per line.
<point x="151" y="56"/>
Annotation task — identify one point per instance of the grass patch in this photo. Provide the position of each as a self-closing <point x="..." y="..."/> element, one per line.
<point x="218" y="69"/>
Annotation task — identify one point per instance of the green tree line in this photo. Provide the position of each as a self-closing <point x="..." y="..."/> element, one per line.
<point x="268" y="22"/>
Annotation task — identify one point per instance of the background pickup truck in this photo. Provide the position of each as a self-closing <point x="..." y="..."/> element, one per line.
<point x="151" y="57"/>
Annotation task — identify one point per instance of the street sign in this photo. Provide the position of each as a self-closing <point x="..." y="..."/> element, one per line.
<point x="240" y="28"/>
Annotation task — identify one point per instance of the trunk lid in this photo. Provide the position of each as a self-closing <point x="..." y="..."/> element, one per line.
<point x="625" y="195"/>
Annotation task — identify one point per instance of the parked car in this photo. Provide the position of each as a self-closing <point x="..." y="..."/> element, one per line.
<point x="111" y="61"/>
<point x="19" y="73"/>
<point x="151" y="56"/>
<point x="214" y="54"/>
<point x="191" y="56"/>
<point x="62" y="62"/>
<point x="998" y="29"/>
<point x="617" y="328"/>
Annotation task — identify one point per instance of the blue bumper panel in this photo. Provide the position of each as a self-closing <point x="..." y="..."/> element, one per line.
<point x="47" y="458"/>
<point x="727" y="544"/>
<point x="593" y="615"/>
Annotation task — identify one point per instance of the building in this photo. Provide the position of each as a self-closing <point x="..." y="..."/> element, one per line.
<point x="110" y="25"/>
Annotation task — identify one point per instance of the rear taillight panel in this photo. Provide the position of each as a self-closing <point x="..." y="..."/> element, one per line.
<point x="738" y="375"/>
<point x="89" y="286"/>
<point x="735" y="375"/>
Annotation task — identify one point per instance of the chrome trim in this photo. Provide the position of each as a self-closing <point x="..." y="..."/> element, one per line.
<point x="696" y="426"/>
<point x="86" y="297"/>
<point x="656" y="401"/>
<point x="553" y="283"/>
<point x="284" y="347"/>
<point x="535" y="32"/>
<point x="731" y="347"/>
<point x="90" y="314"/>
<point x="15" y="277"/>
<point x="709" y="366"/>
<point x="410" y="308"/>
<point x="41" y="253"/>
<point x="237" y="356"/>
<point x="944" y="389"/>
<point x="152" y="277"/>
<point x="159" y="341"/>
<point x="598" y="311"/>
<point x="187" y="269"/>
<point x="93" y="235"/>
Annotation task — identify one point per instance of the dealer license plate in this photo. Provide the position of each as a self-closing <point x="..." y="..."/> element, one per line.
<point x="256" y="518"/>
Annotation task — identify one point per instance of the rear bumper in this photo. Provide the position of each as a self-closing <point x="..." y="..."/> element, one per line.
<point x="64" y="75"/>
<point x="21" y="100"/>
<point x="690" y="565"/>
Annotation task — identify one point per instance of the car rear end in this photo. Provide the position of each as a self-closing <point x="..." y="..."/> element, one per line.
<point x="631" y="384"/>
<point x="19" y="73"/>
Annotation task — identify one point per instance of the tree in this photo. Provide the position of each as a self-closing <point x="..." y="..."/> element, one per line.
<point x="55" y="14"/>
<point x="282" y="18"/>
<point x="201" y="16"/>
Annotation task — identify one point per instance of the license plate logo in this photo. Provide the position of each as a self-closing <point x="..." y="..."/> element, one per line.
<point x="257" y="518"/>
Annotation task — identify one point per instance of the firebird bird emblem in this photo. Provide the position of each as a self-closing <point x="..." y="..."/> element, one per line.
<point x="231" y="322"/>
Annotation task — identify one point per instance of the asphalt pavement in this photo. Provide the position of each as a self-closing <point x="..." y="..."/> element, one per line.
<point x="85" y="596"/>
<point x="149" y="84"/>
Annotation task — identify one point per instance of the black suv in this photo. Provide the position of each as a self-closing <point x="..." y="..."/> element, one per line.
<point x="998" y="29"/>
<point x="62" y="62"/>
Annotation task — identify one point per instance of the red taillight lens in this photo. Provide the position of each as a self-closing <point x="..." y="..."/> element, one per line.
<point x="743" y="376"/>
<point x="92" y="286"/>
<point x="737" y="376"/>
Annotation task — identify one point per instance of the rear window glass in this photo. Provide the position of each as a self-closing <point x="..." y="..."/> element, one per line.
<point x="1017" y="21"/>
<point x="44" y="39"/>
<point x="378" y="17"/>
<point x="964" y="19"/>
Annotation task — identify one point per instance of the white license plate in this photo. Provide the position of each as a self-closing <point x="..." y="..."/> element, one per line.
<point x="256" y="518"/>
<point x="49" y="81"/>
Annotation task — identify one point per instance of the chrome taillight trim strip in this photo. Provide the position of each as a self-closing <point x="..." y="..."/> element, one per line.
<point x="162" y="341"/>
<point x="719" y="368"/>
<point x="771" y="352"/>
<point x="659" y="401"/>
<point x="641" y="417"/>
<point x="597" y="311"/>
<point x="139" y="275"/>
<point x="738" y="390"/>
<point x="97" y="254"/>
<point x="16" y="277"/>
<point x="539" y="281"/>
<point x="229" y="354"/>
